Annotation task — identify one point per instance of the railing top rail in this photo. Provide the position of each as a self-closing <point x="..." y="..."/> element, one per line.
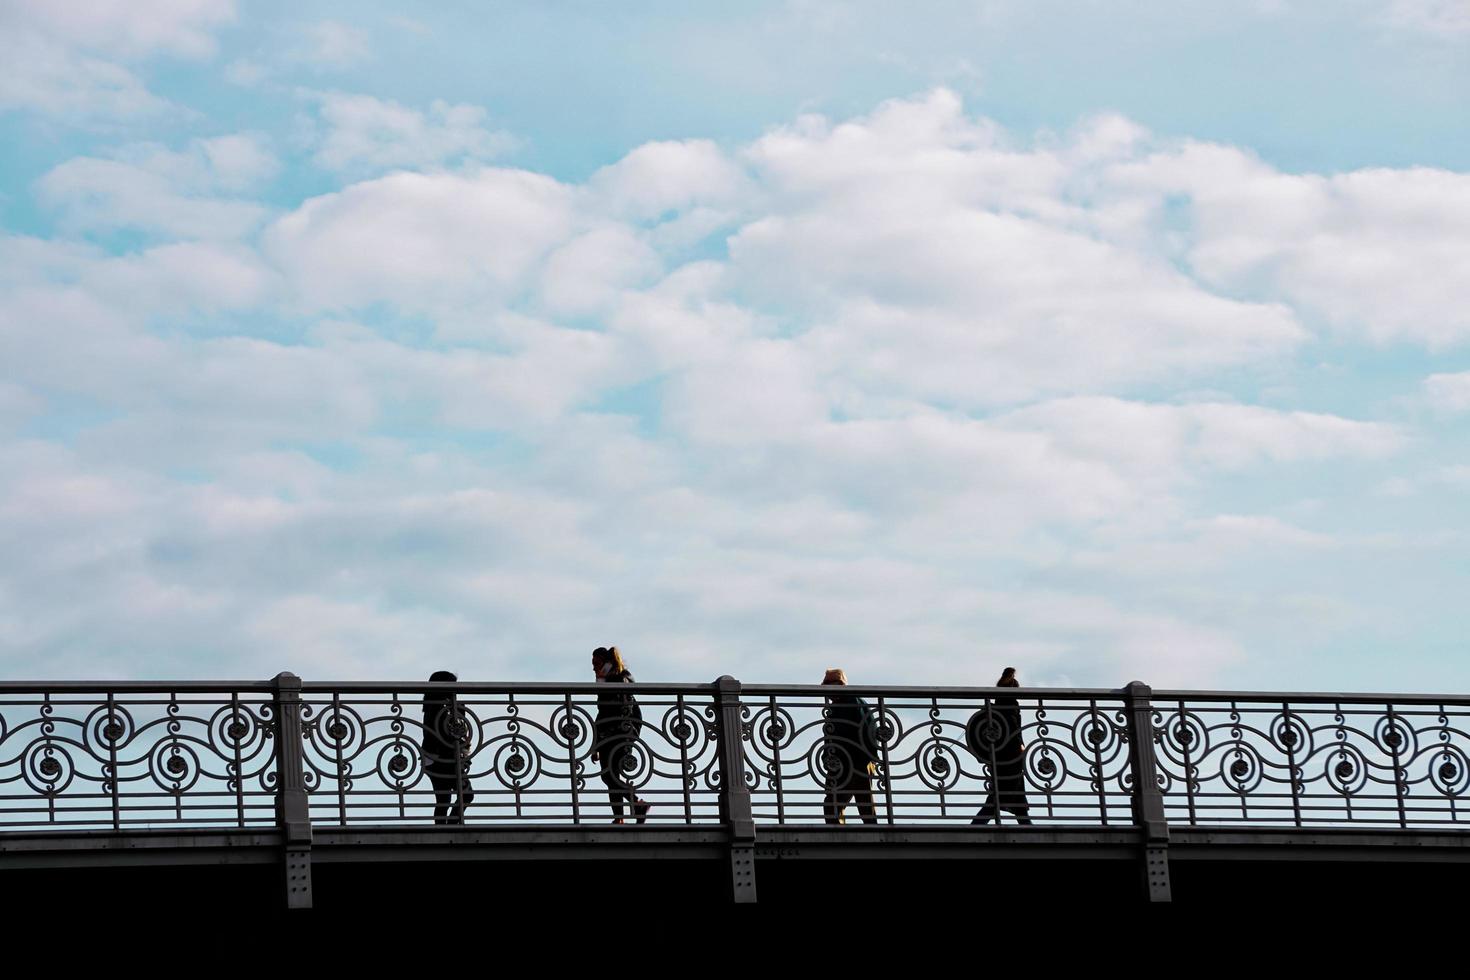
<point x="913" y="691"/>
<point x="1313" y="697"/>
<point x="135" y="687"/>
<point x="753" y="690"/>
<point x="492" y="687"/>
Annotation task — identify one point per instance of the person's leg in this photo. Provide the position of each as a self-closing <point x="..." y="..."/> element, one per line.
<point x="835" y="802"/>
<point x="443" y="790"/>
<point x="612" y="777"/>
<point x="990" y="812"/>
<point x="463" y="797"/>
<point x="862" y="795"/>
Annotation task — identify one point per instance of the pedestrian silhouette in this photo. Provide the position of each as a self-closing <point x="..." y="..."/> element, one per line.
<point x="994" y="735"/>
<point x="618" y="722"/>
<point x="446" y="748"/>
<point x="849" y="753"/>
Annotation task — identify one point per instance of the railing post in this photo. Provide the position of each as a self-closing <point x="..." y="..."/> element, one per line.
<point x="293" y="816"/>
<point x="1148" y="799"/>
<point x="735" y="809"/>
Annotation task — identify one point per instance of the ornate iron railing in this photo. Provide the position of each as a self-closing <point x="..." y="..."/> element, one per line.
<point x="124" y="757"/>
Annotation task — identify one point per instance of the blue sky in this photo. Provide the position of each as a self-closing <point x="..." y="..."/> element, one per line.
<point x="1106" y="340"/>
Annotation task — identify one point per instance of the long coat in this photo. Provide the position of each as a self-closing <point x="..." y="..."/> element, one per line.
<point x="851" y="742"/>
<point x="446" y="737"/>
<point x="1009" y="758"/>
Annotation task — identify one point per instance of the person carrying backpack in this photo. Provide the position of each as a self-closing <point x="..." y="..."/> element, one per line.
<point x="617" y="725"/>
<point x="994" y="736"/>
<point x="850" y="753"/>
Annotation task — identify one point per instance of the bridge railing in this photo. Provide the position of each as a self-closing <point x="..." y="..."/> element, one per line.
<point x="125" y="756"/>
<point x="532" y="753"/>
<point x="122" y="757"/>
<point x="1313" y="760"/>
<point x="932" y="756"/>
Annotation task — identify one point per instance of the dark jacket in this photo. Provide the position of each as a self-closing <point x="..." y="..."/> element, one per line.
<point x="446" y="736"/>
<point x="851" y="731"/>
<point x="1010" y="761"/>
<point x="1005" y="714"/>
<point x="618" y="714"/>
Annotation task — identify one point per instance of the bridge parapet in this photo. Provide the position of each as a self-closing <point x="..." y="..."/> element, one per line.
<point x="129" y="758"/>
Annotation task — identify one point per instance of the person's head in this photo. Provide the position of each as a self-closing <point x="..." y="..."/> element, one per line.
<point x="607" y="662"/>
<point x="1008" y="678"/>
<point x="835" y="675"/>
<point x="437" y="699"/>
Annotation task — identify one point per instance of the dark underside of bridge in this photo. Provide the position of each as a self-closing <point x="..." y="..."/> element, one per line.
<point x="360" y="870"/>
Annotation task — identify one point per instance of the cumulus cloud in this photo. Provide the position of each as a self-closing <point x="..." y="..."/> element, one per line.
<point x="895" y="391"/>
<point x="149" y="187"/>
<point x="1375" y="252"/>
<point x="359" y="132"/>
<point x="422" y="241"/>
<point x="69" y="59"/>
<point x="1450" y="392"/>
<point x="331" y="44"/>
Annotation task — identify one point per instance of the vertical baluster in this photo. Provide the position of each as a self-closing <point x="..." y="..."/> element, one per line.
<point x="776" y="761"/>
<point x="339" y="728"/>
<point x="570" y="728"/>
<point x="1095" y="736"/>
<point x="113" y="732"/>
<point x="1395" y="740"/>
<point x="993" y="736"/>
<point x="1289" y="737"/>
<point x="883" y="748"/>
<point x="236" y="733"/>
<point x="684" y="777"/>
<point x="1186" y="739"/>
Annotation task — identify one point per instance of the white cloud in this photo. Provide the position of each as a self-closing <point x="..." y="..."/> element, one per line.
<point x="152" y="188"/>
<point x="63" y="58"/>
<point x="1447" y="18"/>
<point x="1450" y="392"/>
<point x="939" y="263"/>
<point x="1156" y="437"/>
<point x="930" y="409"/>
<point x="133" y="27"/>
<point x="333" y="44"/>
<point x="661" y="177"/>
<point x="591" y="272"/>
<point x="46" y="76"/>
<point x="422" y="241"/>
<point x="246" y="73"/>
<point x="359" y="132"/>
<point x="1378" y="252"/>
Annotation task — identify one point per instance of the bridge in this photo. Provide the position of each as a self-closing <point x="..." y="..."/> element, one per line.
<point x="307" y="794"/>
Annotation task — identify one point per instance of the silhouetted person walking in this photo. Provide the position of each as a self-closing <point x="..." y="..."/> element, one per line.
<point x="849" y="753"/>
<point x="994" y="735"/>
<point x="618" y="721"/>
<point x="446" y="752"/>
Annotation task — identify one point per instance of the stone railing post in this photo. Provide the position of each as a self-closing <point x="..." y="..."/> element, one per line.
<point x="1148" y="799"/>
<point x="293" y="816"/>
<point x="735" y="809"/>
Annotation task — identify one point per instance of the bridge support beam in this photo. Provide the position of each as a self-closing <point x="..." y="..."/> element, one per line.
<point x="735" y="808"/>
<point x="293" y="815"/>
<point x="1148" y="798"/>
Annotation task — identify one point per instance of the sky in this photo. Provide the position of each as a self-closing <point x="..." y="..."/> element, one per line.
<point x="1109" y="341"/>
